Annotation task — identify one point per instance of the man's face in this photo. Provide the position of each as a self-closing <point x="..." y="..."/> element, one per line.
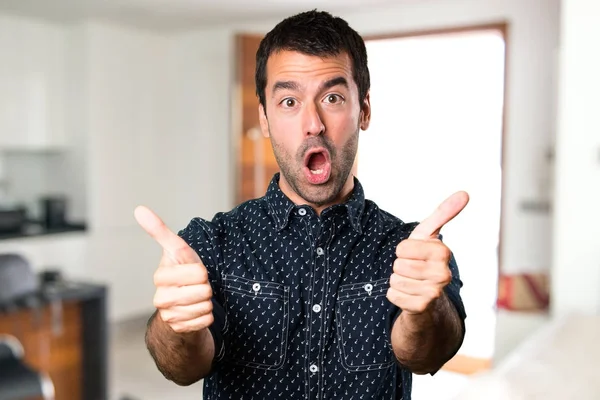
<point x="313" y="117"/>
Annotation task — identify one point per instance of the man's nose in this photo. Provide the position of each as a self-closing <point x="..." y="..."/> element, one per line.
<point x="312" y="121"/>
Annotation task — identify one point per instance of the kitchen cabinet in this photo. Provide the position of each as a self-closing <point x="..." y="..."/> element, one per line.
<point x="75" y="356"/>
<point x="32" y="85"/>
<point x="65" y="252"/>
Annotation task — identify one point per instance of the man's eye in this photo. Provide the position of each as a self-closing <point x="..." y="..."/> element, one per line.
<point x="334" y="99"/>
<point x="289" y="103"/>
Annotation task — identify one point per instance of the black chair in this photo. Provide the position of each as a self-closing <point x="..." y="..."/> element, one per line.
<point x="17" y="380"/>
<point x="19" y="287"/>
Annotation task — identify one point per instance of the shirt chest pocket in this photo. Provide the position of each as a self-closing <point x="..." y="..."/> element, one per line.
<point x="257" y="322"/>
<point x="363" y="326"/>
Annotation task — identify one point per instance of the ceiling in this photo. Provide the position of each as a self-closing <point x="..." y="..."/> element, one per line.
<point x="178" y="14"/>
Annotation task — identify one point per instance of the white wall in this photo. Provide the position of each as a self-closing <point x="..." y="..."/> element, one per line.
<point x="201" y="124"/>
<point x="157" y="135"/>
<point x="576" y="247"/>
<point x="125" y="108"/>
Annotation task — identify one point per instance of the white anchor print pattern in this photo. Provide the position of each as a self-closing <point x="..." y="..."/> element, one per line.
<point x="300" y="300"/>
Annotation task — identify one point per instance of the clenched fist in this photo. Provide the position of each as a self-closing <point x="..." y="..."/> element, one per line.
<point x="421" y="269"/>
<point x="183" y="292"/>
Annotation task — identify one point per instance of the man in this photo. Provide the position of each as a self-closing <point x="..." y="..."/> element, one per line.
<point x="310" y="292"/>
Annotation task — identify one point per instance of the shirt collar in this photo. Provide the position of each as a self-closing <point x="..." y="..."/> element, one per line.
<point x="281" y="206"/>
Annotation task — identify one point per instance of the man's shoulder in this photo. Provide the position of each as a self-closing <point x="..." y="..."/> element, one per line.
<point x="387" y="220"/>
<point x="384" y="215"/>
<point x="223" y="220"/>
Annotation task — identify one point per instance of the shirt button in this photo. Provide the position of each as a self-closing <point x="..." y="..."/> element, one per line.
<point x="256" y="287"/>
<point x="302" y="211"/>
<point x="320" y="251"/>
<point x="313" y="368"/>
<point x="317" y="308"/>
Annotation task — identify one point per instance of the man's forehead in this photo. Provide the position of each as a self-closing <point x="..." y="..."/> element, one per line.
<point x="288" y="62"/>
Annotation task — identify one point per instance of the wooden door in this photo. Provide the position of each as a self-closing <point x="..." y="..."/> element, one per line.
<point x="256" y="163"/>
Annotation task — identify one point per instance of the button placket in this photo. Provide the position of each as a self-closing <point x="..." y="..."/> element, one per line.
<point x="317" y="316"/>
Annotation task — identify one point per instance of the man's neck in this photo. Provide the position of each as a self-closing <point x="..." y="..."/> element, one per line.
<point x="298" y="200"/>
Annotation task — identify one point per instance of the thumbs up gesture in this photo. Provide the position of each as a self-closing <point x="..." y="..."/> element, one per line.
<point x="421" y="268"/>
<point x="183" y="292"/>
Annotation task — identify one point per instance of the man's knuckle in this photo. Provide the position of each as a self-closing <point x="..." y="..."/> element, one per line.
<point x="397" y="267"/>
<point x="167" y="317"/>
<point x="390" y="294"/>
<point x="442" y="275"/>
<point x="444" y="252"/>
<point x="159" y="277"/>
<point x="159" y="301"/>
<point x="446" y="276"/>
<point x="209" y="319"/>
<point x="207" y="292"/>
<point x="401" y="247"/>
<point x="202" y="272"/>
<point x="393" y="296"/>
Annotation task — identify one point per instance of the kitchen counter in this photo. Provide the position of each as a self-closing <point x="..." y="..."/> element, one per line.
<point x="35" y="230"/>
<point x="76" y="355"/>
<point x="560" y="361"/>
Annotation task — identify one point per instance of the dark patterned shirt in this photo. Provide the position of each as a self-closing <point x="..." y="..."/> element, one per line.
<point x="300" y="301"/>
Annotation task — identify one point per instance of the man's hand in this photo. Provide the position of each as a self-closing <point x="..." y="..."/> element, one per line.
<point x="421" y="268"/>
<point x="183" y="292"/>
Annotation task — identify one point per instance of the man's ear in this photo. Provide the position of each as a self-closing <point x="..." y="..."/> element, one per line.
<point x="365" y="113"/>
<point x="264" y="123"/>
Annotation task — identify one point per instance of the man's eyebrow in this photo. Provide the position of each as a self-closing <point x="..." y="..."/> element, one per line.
<point x="283" y="85"/>
<point x="340" y="80"/>
<point x="291" y="85"/>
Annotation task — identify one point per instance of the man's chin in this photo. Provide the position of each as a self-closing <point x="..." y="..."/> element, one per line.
<point x="319" y="195"/>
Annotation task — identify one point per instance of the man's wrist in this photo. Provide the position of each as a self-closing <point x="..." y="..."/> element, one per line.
<point x="428" y="319"/>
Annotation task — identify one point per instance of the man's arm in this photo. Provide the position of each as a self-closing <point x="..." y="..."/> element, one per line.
<point x="183" y="358"/>
<point x="424" y="342"/>
<point x="430" y="327"/>
<point x="178" y="335"/>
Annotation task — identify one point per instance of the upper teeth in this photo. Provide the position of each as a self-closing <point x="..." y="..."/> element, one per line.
<point x="316" y="171"/>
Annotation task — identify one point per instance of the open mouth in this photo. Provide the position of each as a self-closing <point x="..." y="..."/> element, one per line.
<point x="317" y="166"/>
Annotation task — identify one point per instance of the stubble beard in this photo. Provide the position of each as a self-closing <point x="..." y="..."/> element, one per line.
<point x="342" y="161"/>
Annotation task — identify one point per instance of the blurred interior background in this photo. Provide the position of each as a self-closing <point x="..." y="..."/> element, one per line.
<point x="105" y="105"/>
